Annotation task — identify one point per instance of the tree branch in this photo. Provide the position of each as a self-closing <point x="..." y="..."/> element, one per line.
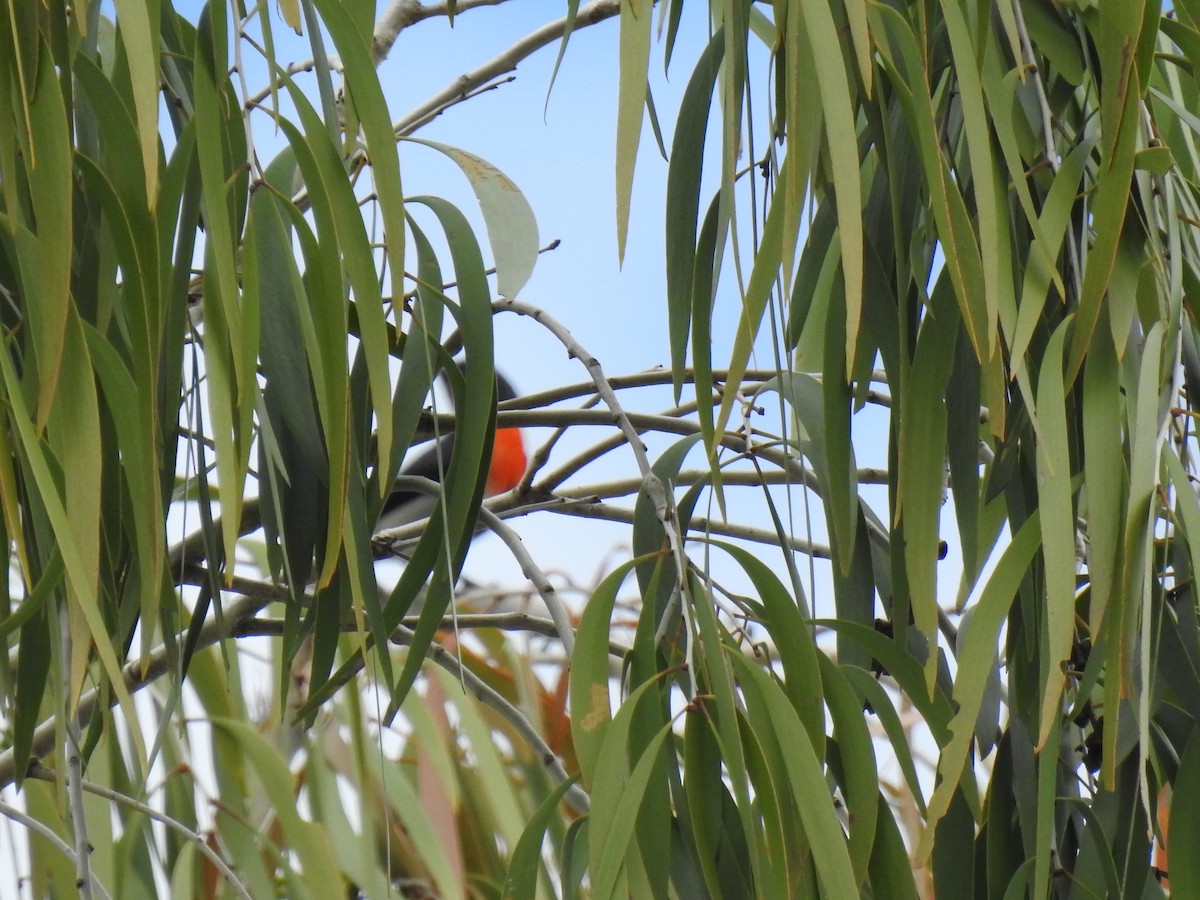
<point x="536" y="576"/>
<point x="44" y="773"/>
<point x="662" y="499"/>
<point x="52" y="838"/>
<point x="400" y="14"/>
<point x="505" y="62"/>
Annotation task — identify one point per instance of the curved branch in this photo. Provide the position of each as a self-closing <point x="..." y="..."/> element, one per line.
<point x="506" y="621"/>
<point x="622" y="487"/>
<point x="400" y="14"/>
<point x="533" y="572"/>
<point x="505" y="62"/>
<point x="699" y="526"/>
<point x="647" y="378"/>
<point x="44" y="773"/>
<point x="52" y="838"/>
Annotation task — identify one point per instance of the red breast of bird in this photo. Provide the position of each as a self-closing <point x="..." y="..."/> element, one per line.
<point x="504" y="472"/>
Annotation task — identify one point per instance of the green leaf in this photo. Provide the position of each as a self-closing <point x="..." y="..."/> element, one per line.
<point x="327" y="345"/>
<point x="636" y="19"/>
<point x="900" y="663"/>
<point x="521" y="878"/>
<point x="139" y="34"/>
<point x="856" y="759"/>
<point x="1109" y="203"/>
<point x="569" y="27"/>
<point x="475" y="426"/>
<point x="591" y="713"/>
<point x="772" y="249"/>
<point x="49" y="165"/>
<point x="770" y="710"/>
<point x="856" y="15"/>
<point x="922" y="454"/>
<point x="419" y="365"/>
<point x="307" y="840"/>
<point x="228" y="363"/>
<point x="842" y="141"/>
<point x="74" y="435"/>
<point x="272" y="270"/>
<point x="1047" y="782"/>
<point x="701" y="318"/>
<point x="511" y="226"/>
<point x="33" y="675"/>
<point x="877" y="701"/>
<point x="798" y="654"/>
<point x="828" y="449"/>
<point x="1184" y="840"/>
<point x="855" y="597"/>
<point x="1053" y="224"/>
<point x="498" y="795"/>
<point x="713" y="674"/>
<point x="959" y="242"/>
<point x="366" y="93"/>
<point x="953" y="850"/>
<point x="992" y="231"/>
<point x="705" y="793"/>
<point x="976" y="659"/>
<point x="322" y="165"/>
<point x="891" y="871"/>
<point x="1105" y="477"/>
<point x="81" y="583"/>
<point x="617" y="795"/>
<point x="683" y="206"/>
<point x="660" y="578"/>
<point x="1058" y="527"/>
<point x="1155" y="160"/>
<point x="353" y="848"/>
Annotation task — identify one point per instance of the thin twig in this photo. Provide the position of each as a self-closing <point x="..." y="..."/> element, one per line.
<point x="44" y="773"/>
<point x="1031" y="64"/>
<point x="700" y="526"/>
<point x="504" y="621"/>
<point x="647" y="378"/>
<point x="52" y="838"/>
<point x="732" y="442"/>
<point x="622" y="487"/>
<point x="662" y="499"/>
<point x="512" y="414"/>
<point x="503" y="63"/>
<point x="537" y="577"/>
<point x="401" y="14"/>
<point x="74" y="757"/>
<point x="307" y="65"/>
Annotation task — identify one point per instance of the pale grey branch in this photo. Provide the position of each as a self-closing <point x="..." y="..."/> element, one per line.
<point x="54" y="840"/>
<point x="505" y="62"/>
<point x="43" y="773"/>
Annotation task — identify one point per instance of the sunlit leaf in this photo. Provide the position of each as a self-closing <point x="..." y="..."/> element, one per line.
<point x="512" y="229"/>
<point x="1056" y="509"/>
<point x="636" y="19"/>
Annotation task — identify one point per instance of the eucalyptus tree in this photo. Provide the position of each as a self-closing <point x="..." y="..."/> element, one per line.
<point x="978" y="219"/>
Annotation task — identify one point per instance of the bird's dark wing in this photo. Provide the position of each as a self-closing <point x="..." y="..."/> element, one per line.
<point x="404" y="507"/>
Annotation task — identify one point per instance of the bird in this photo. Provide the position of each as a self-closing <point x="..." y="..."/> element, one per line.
<point x="505" y="470"/>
